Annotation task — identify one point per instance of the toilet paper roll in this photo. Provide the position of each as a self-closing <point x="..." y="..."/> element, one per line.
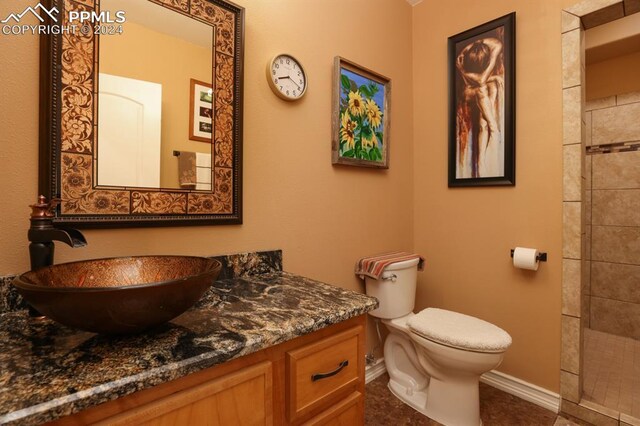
<point x="525" y="258"/>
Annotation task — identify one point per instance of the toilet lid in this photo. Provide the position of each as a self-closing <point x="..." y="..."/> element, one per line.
<point x="459" y="330"/>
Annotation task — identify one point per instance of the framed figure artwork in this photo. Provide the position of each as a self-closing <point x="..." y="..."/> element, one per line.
<point x="482" y="105"/>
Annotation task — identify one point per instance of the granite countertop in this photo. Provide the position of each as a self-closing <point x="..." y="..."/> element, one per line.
<point x="48" y="371"/>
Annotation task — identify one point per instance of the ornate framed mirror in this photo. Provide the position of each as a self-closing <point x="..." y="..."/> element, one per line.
<point x="141" y="120"/>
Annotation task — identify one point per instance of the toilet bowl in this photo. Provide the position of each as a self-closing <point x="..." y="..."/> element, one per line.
<point x="434" y="358"/>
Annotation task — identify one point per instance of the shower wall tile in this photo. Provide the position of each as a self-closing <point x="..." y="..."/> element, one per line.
<point x="616" y="281"/>
<point x="618" y="124"/>
<point x="585" y="276"/>
<point x="600" y="103"/>
<point x="616" y="207"/>
<point x="617" y="170"/>
<point x="628" y="98"/>
<point x="587" y="118"/>
<point x="571" y="287"/>
<point x="572" y="172"/>
<point x="573" y="134"/>
<point x="571" y="232"/>
<point x="617" y="244"/>
<point x="572" y="114"/>
<point x="586" y="7"/>
<point x="571" y="63"/>
<point x="585" y="311"/>
<point x="569" y="22"/>
<point x="570" y="386"/>
<point x="613" y="216"/>
<point x="588" y="210"/>
<point x="615" y="317"/>
<point x="570" y="353"/>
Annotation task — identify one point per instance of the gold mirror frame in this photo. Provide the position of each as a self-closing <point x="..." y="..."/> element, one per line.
<point x="68" y="129"/>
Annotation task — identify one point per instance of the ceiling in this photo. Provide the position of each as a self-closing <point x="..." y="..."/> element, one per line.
<point x="162" y="20"/>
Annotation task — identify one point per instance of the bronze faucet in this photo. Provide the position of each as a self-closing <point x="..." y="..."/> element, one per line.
<point x="42" y="234"/>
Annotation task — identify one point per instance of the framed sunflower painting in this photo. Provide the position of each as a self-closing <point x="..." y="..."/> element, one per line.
<point x="361" y="100"/>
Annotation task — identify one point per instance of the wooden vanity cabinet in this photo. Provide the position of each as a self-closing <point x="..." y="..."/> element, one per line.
<point x="316" y="379"/>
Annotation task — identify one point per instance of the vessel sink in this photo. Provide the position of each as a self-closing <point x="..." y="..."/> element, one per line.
<point x="120" y="295"/>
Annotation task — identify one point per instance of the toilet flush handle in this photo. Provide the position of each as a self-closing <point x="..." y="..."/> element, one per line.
<point x="392" y="278"/>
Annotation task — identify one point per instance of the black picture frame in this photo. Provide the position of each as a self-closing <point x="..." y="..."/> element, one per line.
<point x="482" y="105"/>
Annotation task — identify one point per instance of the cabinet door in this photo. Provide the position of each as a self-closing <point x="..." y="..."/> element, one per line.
<point x="243" y="397"/>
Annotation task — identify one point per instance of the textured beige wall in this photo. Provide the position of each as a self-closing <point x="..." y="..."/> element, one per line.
<point x="613" y="76"/>
<point x="323" y="217"/>
<point x="466" y="233"/>
<point x="144" y="54"/>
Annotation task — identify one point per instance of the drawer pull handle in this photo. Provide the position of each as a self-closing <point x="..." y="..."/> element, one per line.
<point x="319" y="376"/>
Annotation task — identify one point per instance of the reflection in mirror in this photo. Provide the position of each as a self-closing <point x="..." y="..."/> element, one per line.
<point x="155" y="100"/>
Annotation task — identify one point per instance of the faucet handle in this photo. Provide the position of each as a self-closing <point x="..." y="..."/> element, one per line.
<point x="44" y="209"/>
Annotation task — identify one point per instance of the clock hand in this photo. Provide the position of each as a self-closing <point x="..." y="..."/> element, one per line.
<point x="292" y="80"/>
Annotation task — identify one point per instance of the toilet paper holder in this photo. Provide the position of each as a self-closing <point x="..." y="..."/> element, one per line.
<point x="541" y="257"/>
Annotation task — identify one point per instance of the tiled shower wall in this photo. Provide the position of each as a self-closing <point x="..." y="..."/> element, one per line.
<point x="613" y="213"/>
<point x="576" y="252"/>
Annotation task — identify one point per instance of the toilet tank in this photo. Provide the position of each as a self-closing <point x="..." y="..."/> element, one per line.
<point x="395" y="290"/>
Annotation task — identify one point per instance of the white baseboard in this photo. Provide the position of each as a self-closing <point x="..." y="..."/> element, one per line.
<point x="523" y="390"/>
<point x="506" y="383"/>
<point x="375" y="370"/>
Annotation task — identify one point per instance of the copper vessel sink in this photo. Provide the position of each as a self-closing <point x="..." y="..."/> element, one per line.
<point x="119" y="295"/>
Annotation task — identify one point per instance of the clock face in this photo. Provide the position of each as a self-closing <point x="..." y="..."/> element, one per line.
<point x="287" y="78"/>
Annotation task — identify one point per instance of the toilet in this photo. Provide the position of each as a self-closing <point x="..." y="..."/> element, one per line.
<point x="434" y="358"/>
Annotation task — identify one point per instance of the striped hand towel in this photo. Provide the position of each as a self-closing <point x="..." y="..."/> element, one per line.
<point x="373" y="266"/>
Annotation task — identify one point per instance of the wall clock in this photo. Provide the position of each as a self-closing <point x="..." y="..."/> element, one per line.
<point x="286" y="77"/>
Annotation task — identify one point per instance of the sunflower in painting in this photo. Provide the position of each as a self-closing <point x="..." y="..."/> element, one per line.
<point x="369" y="141"/>
<point x="348" y="130"/>
<point x="356" y="104"/>
<point x="361" y="117"/>
<point x="374" y="115"/>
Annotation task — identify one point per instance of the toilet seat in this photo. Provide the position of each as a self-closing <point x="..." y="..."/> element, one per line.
<point x="459" y="331"/>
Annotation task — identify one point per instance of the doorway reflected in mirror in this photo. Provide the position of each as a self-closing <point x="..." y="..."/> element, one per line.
<point x="146" y="107"/>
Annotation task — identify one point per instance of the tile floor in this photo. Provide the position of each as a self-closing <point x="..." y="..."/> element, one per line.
<point x="612" y="371"/>
<point x="496" y="408"/>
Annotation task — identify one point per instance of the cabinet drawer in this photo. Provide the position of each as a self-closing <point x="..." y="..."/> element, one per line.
<point x="321" y="371"/>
